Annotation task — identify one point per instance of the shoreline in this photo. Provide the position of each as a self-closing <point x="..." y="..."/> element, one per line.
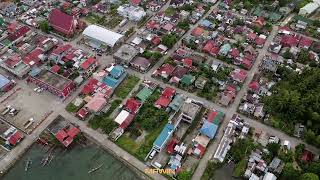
<point x="122" y="160"/>
<point x="93" y="142"/>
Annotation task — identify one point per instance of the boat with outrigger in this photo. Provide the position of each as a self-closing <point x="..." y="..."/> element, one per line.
<point x="28" y="163"/>
<point x="95" y="169"/>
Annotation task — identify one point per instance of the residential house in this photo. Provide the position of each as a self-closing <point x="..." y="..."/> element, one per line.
<point x="125" y="54"/>
<point x="88" y="67"/>
<point x="200" y="82"/>
<point x="178" y="73"/>
<point x="165" y="98"/>
<point x="140" y="63"/>
<point x="189" y="110"/>
<point x="133" y="13"/>
<point x="164" y="71"/>
<point x="224" y="49"/>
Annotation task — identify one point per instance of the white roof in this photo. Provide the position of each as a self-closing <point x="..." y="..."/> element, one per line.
<point x="310" y="7"/>
<point x="122" y="116"/>
<point x="102" y="34"/>
<point x="269" y="176"/>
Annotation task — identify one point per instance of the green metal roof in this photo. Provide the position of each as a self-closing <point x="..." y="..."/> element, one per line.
<point x="144" y="94"/>
<point x="219" y="118"/>
<point x="187" y="79"/>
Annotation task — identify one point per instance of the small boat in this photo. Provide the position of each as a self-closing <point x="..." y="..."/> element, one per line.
<point x="28" y="163"/>
<point x="95" y="169"/>
<point x="45" y="161"/>
<point x="50" y="159"/>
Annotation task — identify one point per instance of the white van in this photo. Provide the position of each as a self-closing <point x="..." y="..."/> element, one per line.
<point x="152" y="154"/>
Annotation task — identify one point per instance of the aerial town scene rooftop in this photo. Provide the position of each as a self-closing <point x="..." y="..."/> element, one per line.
<point x="160" y="89"/>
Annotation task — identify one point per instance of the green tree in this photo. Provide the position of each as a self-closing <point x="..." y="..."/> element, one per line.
<point x="169" y="40"/>
<point x="184" y="175"/>
<point x="273" y="148"/>
<point x="309" y="176"/>
<point x="44" y="26"/>
<point x="298" y="151"/>
<point x="314" y="167"/>
<point x="289" y="172"/>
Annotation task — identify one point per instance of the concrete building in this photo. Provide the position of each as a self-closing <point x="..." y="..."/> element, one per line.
<point x="133" y="13"/>
<point x="189" y="110"/>
<point x="101" y="38"/>
<point x="125" y="54"/>
<point x="52" y="82"/>
<point x="309" y="8"/>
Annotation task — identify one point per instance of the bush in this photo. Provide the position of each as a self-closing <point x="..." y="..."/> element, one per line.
<point x="72" y="108"/>
<point x="210" y="169"/>
<point x="240" y="168"/>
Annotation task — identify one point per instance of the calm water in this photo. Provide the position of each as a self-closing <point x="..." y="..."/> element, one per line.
<point x="71" y="165"/>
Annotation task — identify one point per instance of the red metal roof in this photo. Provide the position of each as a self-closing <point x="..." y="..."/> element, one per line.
<point x="234" y="53"/>
<point x="171" y="145"/>
<point x="132" y="105"/>
<point x="254" y="85"/>
<point x="305" y="42"/>
<point x="207" y="48"/>
<point x="87" y="63"/>
<point x="251" y="36"/>
<point x="247" y="63"/>
<point x="19" y="33"/>
<point x="260" y="41"/>
<point x="168" y="92"/>
<point x="156" y="40"/>
<point x="33" y="57"/>
<point x="82" y="113"/>
<point x="73" y="132"/>
<point x="163" y="102"/>
<point x="55" y="68"/>
<point x="136" y="2"/>
<point x="61" y="49"/>
<point x="197" y="31"/>
<point x="61" y="135"/>
<point x="289" y="41"/>
<point x="61" y="21"/>
<point x="187" y="62"/>
<point x="211" y="115"/>
<point x="15" y="138"/>
<point x="166" y="69"/>
<point x="127" y="121"/>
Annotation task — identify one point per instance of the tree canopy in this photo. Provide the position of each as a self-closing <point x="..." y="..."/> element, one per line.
<point x="309" y="176"/>
<point x="296" y="99"/>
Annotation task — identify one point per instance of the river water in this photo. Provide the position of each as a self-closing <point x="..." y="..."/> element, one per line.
<point x="73" y="164"/>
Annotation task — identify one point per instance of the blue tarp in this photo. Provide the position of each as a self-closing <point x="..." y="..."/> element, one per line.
<point x="3" y="81"/>
<point x="164" y="136"/>
<point x="209" y="129"/>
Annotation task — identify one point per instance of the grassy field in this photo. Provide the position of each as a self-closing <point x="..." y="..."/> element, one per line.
<point x="139" y="150"/>
<point x="126" y="87"/>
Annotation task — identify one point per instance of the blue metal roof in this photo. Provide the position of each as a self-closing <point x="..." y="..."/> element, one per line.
<point x="206" y="23"/>
<point x="3" y="81"/>
<point x="109" y="81"/>
<point x="117" y="71"/>
<point x="209" y="129"/>
<point x="164" y="136"/>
